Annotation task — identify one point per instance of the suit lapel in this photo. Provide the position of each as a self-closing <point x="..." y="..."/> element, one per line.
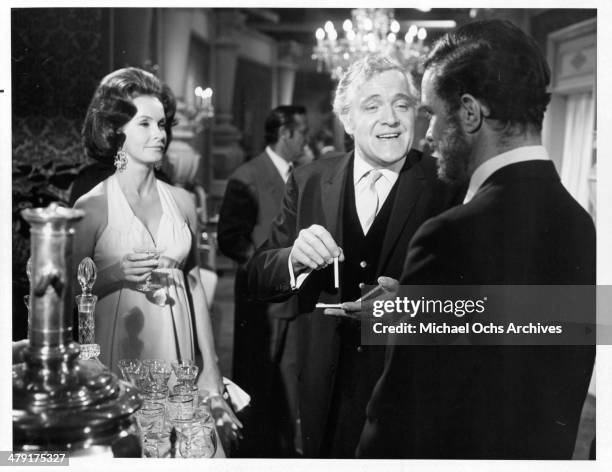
<point x="332" y="187"/>
<point x="410" y="183"/>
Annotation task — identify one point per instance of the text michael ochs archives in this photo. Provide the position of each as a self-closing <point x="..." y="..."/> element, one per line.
<point x="482" y="315"/>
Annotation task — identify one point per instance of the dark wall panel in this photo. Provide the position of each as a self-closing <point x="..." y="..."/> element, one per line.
<point x="58" y="56"/>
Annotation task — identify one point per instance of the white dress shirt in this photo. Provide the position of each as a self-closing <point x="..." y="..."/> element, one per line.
<point x="487" y="168"/>
<point x="383" y="185"/>
<point x="282" y="166"/>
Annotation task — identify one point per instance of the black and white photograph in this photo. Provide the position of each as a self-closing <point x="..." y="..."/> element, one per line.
<point x="216" y="210"/>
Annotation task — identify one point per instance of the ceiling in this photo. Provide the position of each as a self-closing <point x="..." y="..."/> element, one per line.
<point x="300" y="24"/>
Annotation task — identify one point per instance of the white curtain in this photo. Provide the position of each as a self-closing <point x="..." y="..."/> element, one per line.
<point x="578" y="146"/>
<point x="577" y="160"/>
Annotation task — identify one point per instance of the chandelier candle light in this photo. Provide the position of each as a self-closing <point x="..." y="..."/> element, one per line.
<point x="198" y="113"/>
<point x="370" y="30"/>
<point x="203" y="103"/>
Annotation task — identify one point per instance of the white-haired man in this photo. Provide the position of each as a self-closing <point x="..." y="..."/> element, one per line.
<point x="362" y="207"/>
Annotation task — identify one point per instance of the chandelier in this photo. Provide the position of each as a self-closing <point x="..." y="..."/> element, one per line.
<point x="198" y="113"/>
<point x="370" y="30"/>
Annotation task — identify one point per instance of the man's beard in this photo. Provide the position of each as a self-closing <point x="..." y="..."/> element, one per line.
<point x="455" y="151"/>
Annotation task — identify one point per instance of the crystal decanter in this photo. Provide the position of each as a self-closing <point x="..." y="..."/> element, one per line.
<point x="86" y="303"/>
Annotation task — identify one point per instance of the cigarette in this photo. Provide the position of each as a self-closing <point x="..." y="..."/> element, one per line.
<point x="369" y="293"/>
<point x="336" y="274"/>
<point x="329" y="305"/>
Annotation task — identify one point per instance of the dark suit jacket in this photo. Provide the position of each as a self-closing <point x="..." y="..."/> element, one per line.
<point x="252" y="199"/>
<point x="513" y="402"/>
<point x="314" y="196"/>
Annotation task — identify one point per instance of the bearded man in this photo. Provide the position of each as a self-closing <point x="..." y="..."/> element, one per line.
<point x="485" y="90"/>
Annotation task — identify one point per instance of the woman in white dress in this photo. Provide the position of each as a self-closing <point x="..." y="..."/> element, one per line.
<point x="130" y="121"/>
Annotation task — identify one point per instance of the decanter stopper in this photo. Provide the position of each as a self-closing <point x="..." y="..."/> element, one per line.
<point x="86" y="275"/>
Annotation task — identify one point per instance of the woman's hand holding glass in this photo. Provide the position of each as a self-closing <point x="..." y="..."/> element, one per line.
<point x="138" y="266"/>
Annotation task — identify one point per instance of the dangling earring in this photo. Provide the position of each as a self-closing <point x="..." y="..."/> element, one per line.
<point x="121" y="160"/>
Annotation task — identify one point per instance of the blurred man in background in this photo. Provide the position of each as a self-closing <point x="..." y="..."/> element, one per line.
<point x="264" y="334"/>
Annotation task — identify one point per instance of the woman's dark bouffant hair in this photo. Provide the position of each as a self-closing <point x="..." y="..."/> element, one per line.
<point x="111" y="108"/>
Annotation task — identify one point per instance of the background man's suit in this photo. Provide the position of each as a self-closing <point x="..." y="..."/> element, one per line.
<point x="264" y="339"/>
<point x="514" y="402"/>
<point x="335" y="373"/>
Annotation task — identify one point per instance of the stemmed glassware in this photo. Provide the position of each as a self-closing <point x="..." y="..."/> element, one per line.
<point x="189" y="414"/>
<point x="130" y="369"/>
<point x="160" y="373"/>
<point x="150" y="418"/>
<point x="180" y="407"/>
<point x="183" y="410"/>
<point x="86" y="303"/>
<point x="150" y="250"/>
<point x="196" y="435"/>
<point x="150" y="376"/>
<point x="154" y="375"/>
<point x="186" y="372"/>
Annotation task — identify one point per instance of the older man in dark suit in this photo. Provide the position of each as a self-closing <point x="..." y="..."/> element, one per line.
<point x="484" y="88"/>
<point x="264" y="334"/>
<point x="363" y="208"/>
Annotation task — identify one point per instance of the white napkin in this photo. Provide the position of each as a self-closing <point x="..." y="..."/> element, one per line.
<point x="237" y="397"/>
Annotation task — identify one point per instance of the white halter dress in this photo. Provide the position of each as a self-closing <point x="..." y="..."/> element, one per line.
<point x="131" y="323"/>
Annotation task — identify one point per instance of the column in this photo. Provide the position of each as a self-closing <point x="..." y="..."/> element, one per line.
<point x="289" y="52"/>
<point x="182" y="159"/>
<point x="176" y="36"/>
<point x="226" y="152"/>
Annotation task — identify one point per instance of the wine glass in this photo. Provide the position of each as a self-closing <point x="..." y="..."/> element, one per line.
<point x="157" y="445"/>
<point x="153" y="397"/>
<point x="158" y="371"/>
<point x="129" y="369"/>
<point x="196" y="435"/>
<point x="186" y="371"/>
<point x="150" y="250"/>
<point x="150" y="418"/>
<point x="180" y="407"/>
